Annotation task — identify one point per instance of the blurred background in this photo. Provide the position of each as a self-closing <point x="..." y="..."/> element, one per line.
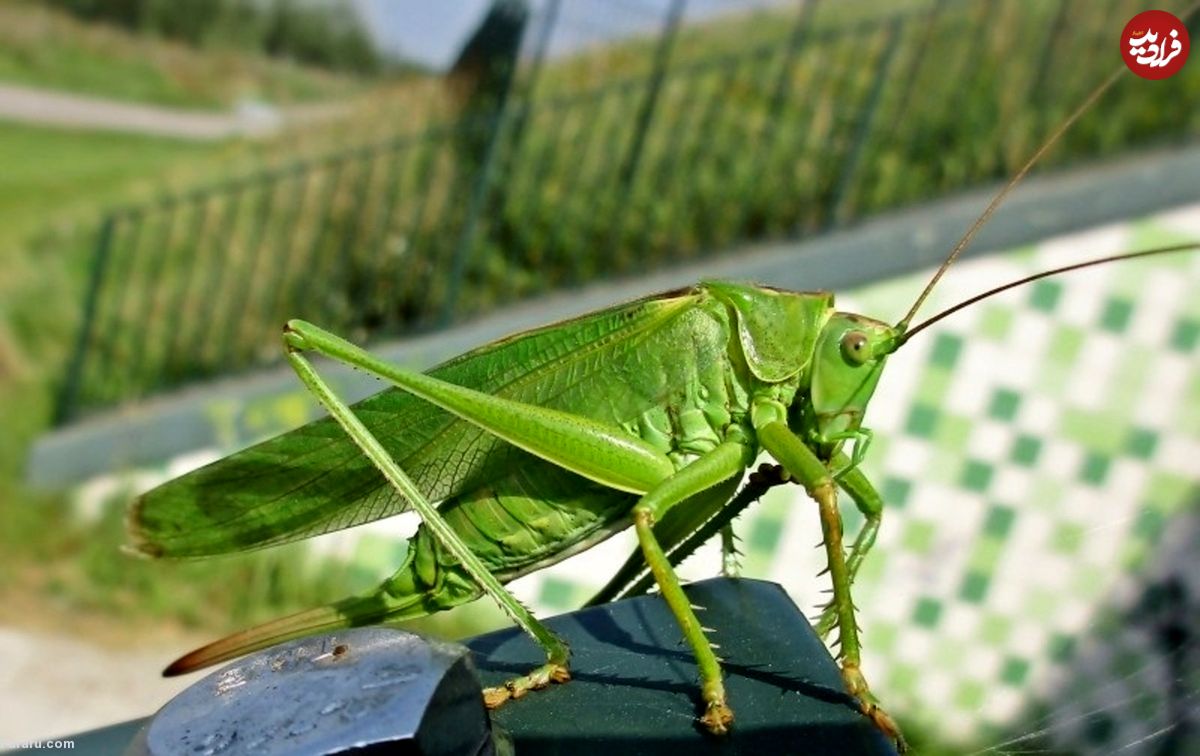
<point x="178" y="178"/>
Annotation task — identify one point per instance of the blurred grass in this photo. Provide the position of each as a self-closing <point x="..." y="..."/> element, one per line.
<point x="43" y="47"/>
<point x="53" y="174"/>
<point x="966" y="98"/>
<point x="963" y="99"/>
<point x="729" y="34"/>
<point x="60" y="570"/>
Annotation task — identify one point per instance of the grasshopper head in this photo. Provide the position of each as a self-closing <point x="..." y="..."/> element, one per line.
<point x="851" y="351"/>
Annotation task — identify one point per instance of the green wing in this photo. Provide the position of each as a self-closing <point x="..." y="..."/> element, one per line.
<point x="314" y="480"/>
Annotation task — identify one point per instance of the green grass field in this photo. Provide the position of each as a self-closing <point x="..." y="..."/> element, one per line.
<point x="52" y="190"/>
<point x="62" y="570"/>
<point x="54" y="174"/>
<point x="46" y="48"/>
<point x="55" y="184"/>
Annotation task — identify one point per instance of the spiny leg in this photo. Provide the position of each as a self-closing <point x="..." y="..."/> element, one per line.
<point x="870" y="504"/>
<point x="719" y="464"/>
<point x="633" y="579"/>
<point x="812" y="473"/>
<point x="731" y="563"/>
<point x="717" y="715"/>
<point x="557" y="653"/>
<point x="843" y="606"/>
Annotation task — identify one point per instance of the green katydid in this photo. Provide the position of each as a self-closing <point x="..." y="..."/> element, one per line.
<point x="540" y="445"/>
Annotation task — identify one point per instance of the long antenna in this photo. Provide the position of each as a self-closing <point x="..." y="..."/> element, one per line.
<point x="1044" y="274"/>
<point x="902" y="326"/>
<point x="1003" y="194"/>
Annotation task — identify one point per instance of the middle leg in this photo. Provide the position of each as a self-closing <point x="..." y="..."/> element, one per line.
<point x="720" y="464"/>
<point x="814" y="475"/>
<point x="870" y="504"/>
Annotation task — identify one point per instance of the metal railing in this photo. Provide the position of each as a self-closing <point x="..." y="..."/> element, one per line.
<point x="826" y="123"/>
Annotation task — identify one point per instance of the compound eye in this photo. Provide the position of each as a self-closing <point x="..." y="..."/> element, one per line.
<point x="855" y="347"/>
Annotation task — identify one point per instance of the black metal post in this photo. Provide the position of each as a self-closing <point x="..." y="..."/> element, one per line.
<point x="840" y="203"/>
<point x="633" y="156"/>
<point x="68" y="398"/>
<point x="499" y="125"/>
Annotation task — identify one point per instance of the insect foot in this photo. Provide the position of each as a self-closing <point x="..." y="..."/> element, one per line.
<point x="717" y="717"/>
<point x="519" y="686"/>
<point x="856" y="684"/>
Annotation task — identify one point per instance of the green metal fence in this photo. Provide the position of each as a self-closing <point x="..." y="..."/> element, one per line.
<point x="845" y="114"/>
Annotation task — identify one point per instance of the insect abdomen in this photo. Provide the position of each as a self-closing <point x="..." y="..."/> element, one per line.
<point x="526" y="521"/>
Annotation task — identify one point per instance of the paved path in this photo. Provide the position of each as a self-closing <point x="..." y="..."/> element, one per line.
<point x="45" y="697"/>
<point x="51" y="108"/>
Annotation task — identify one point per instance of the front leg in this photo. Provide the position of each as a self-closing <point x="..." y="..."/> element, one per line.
<point x="808" y="470"/>
<point x="870" y="504"/>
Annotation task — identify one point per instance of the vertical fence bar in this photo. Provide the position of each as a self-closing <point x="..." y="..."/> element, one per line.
<point x="523" y="113"/>
<point x="333" y="181"/>
<point x="792" y="148"/>
<point x="1037" y="92"/>
<point x="357" y="216"/>
<point x="421" y="308"/>
<point x="667" y="181"/>
<point x="254" y="242"/>
<point x="589" y="174"/>
<point x="206" y="347"/>
<point x="655" y="166"/>
<point x="577" y="181"/>
<point x="767" y="142"/>
<point x="908" y="140"/>
<point x="391" y="196"/>
<point x="188" y="332"/>
<point x="500" y="125"/>
<point x="1096" y="24"/>
<point x="152" y="290"/>
<point x="377" y="301"/>
<point x="841" y="195"/>
<point x="918" y="58"/>
<point x="198" y="230"/>
<point x="662" y="60"/>
<point x="541" y="47"/>
<point x="818" y="151"/>
<point x="795" y="43"/>
<point x="287" y="294"/>
<point x="475" y="208"/>
<point x="68" y="398"/>
<point x="633" y="156"/>
<point x="975" y="63"/>
<point x="547" y="262"/>
<point x="703" y="154"/>
<point x="122" y="272"/>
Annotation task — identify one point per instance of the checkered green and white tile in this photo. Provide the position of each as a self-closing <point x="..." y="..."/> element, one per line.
<point x="1032" y="451"/>
<point x="1039" y="454"/>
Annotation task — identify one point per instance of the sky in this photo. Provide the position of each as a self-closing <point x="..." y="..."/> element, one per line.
<point x="431" y="33"/>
